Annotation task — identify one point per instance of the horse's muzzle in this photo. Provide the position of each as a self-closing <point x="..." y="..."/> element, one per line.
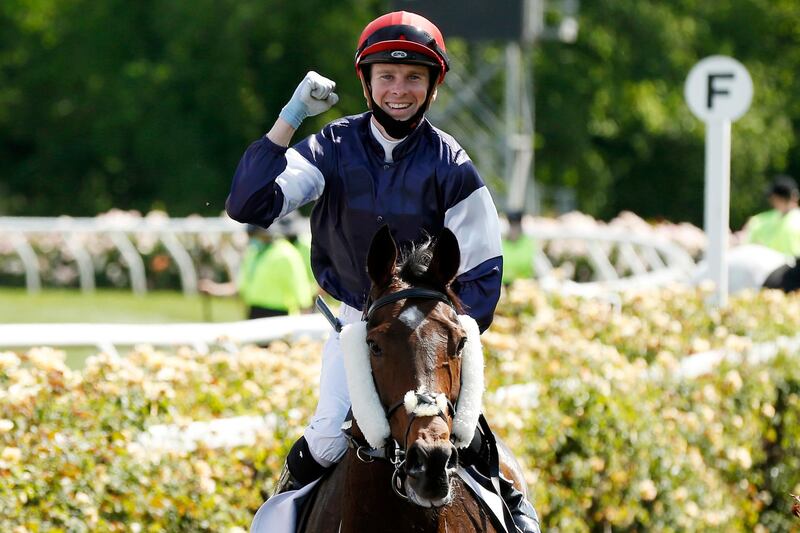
<point x="428" y="470"/>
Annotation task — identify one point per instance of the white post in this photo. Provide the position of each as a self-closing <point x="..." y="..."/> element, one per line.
<point x="512" y="114"/>
<point x="717" y="202"/>
<point x="718" y="91"/>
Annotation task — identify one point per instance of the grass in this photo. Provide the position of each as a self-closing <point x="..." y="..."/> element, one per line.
<point x="111" y="306"/>
<point x="114" y="306"/>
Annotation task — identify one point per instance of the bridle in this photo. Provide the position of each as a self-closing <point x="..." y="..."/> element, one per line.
<point x="413" y="292"/>
<point x="393" y="451"/>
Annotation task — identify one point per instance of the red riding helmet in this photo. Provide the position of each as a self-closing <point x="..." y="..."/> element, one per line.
<point x="403" y="37"/>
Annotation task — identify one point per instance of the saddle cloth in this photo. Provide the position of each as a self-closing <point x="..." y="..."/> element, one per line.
<point x="279" y="513"/>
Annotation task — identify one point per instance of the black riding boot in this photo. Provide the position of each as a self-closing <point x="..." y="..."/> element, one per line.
<point x="478" y="454"/>
<point x="300" y="469"/>
<point x="522" y="512"/>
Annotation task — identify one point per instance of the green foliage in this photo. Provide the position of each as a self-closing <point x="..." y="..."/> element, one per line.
<point x="611" y="116"/>
<point x="612" y="440"/>
<point x="150" y="104"/>
<point x="71" y="461"/>
<point x="140" y="104"/>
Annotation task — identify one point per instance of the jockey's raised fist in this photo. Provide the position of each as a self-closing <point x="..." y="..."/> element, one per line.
<point x="313" y="96"/>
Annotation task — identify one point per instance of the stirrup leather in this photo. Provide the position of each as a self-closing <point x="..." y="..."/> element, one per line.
<point x="286" y="482"/>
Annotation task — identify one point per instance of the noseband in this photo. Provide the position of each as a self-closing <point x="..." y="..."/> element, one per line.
<point x="427" y="402"/>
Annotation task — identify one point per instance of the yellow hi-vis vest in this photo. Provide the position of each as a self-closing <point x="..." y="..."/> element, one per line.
<point x="273" y="276"/>
<point x="518" y="258"/>
<point x="776" y="230"/>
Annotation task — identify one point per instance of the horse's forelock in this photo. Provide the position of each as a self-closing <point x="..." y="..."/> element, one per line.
<point x="413" y="268"/>
<point x="414" y="261"/>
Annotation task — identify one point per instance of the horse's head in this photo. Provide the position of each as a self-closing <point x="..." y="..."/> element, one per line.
<point x="425" y="362"/>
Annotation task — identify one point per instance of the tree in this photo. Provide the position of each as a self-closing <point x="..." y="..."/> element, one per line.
<point x="150" y="103"/>
<point x="611" y="117"/>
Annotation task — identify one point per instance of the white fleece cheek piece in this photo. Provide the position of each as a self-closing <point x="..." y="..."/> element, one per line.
<point x="413" y="407"/>
<point x="469" y="405"/>
<point x="367" y="408"/>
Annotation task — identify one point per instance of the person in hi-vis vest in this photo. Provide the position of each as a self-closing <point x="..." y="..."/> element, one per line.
<point x="778" y="228"/>
<point x="518" y="250"/>
<point x="272" y="279"/>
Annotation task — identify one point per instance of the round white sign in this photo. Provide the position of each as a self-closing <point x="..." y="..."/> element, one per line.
<point x="718" y="88"/>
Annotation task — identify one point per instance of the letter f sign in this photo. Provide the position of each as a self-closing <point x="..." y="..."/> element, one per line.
<point x="718" y="88"/>
<point x="712" y="89"/>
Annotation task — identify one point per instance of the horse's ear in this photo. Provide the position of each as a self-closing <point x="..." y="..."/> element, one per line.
<point x="446" y="259"/>
<point x="381" y="257"/>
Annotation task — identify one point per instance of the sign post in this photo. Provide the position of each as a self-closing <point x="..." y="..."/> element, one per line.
<point x="718" y="90"/>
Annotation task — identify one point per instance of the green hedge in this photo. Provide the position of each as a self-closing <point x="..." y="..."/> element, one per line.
<point x="606" y="447"/>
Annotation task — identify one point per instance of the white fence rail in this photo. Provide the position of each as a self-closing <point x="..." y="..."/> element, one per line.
<point x="640" y="261"/>
<point x="21" y="232"/>
<point x="620" y="259"/>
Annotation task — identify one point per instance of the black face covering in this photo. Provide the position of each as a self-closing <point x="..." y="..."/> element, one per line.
<point x="397" y="129"/>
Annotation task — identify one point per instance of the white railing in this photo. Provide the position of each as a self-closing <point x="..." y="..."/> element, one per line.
<point x="620" y="259"/>
<point x="651" y="260"/>
<point x="23" y="231"/>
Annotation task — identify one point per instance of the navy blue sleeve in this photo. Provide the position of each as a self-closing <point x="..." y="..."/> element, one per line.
<point x="271" y="179"/>
<point x="472" y="217"/>
<point x="479" y="290"/>
<point x="255" y="198"/>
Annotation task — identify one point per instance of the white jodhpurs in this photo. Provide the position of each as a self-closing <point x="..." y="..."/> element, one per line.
<point x="324" y="434"/>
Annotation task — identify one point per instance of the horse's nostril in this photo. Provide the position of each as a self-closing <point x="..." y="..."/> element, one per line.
<point x="434" y="462"/>
<point x="415" y="461"/>
<point x="452" y="461"/>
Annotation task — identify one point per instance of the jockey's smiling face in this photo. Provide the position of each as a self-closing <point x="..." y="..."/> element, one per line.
<point x="400" y="89"/>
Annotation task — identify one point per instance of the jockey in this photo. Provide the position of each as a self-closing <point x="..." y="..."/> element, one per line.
<point x="388" y="165"/>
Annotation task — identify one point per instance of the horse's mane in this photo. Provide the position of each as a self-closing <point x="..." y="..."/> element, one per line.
<point x="413" y="268"/>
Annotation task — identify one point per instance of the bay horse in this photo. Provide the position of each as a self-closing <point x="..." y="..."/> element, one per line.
<point x="415" y="373"/>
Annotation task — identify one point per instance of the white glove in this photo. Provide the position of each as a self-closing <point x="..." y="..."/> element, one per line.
<point x="313" y="96"/>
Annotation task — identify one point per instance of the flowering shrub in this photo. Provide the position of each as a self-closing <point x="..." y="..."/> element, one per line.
<point x="607" y="445"/>
<point x="69" y="456"/>
<point x="608" y="437"/>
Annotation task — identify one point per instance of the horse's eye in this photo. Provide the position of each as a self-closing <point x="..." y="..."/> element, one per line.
<point x="460" y="347"/>
<point x="373" y="347"/>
